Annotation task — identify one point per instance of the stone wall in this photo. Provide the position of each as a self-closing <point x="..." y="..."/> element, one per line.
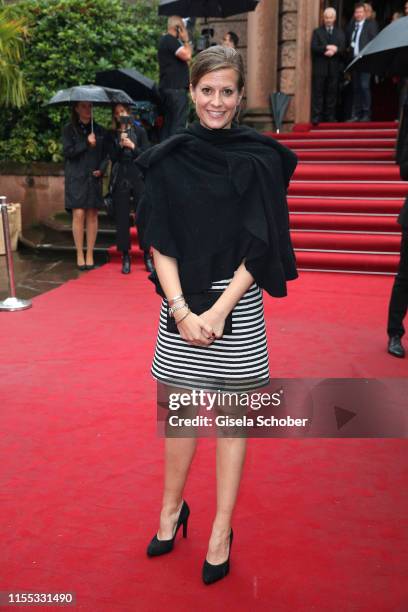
<point x="39" y="189"/>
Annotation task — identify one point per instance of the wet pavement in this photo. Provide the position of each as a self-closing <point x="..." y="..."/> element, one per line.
<point x="38" y="272"/>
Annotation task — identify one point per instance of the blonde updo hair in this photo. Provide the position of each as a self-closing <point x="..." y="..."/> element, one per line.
<point x="217" y="58"/>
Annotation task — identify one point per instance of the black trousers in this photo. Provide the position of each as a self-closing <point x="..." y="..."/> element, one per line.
<point x="125" y="198"/>
<point x="175" y="109"/>
<point x="361" y="82"/>
<point x="399" y="295"/>
<point x="324" y="96"/>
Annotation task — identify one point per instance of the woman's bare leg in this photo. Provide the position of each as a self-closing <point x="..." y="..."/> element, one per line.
<point x="230" y="461"/>
<point x="180" y="446"/>
<point x="78" y="218"/>
<point x="179" y="453"/>
<point x="91" y="232"/>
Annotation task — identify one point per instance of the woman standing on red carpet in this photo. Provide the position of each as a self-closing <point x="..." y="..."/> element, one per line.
<point x="214" y="212"/>
<point x="85" y="163"/>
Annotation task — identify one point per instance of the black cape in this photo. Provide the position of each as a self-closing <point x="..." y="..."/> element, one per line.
<point x="215" y="197"/>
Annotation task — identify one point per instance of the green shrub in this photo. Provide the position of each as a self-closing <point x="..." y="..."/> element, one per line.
<point x="69" y="42"/>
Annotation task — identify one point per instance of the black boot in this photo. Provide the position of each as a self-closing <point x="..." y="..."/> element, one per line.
<point x="148" y="260"/>
<point x="126" y="263"/>
<point x="395" y="347"/>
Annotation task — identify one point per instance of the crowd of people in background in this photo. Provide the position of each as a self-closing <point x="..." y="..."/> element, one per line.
<point x="88" y="148"/>
<point x="332" y="50"/>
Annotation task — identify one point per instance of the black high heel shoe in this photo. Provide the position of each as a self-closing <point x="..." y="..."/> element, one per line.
<point x="160" y="547"/>
<point x="211" y="573"/>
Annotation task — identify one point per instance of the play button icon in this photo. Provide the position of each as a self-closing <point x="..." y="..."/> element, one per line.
<point x="343" y="416"/>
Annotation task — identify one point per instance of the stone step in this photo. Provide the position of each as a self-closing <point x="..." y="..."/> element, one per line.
<point x="45" y="238"/>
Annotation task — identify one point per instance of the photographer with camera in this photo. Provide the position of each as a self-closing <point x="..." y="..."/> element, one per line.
<point x="125" y="143"/>
<point x="175" y="51"/>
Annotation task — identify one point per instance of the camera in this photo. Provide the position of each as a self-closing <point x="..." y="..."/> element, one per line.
<point x="204" y="40"/>
<point x="125" y="122"/>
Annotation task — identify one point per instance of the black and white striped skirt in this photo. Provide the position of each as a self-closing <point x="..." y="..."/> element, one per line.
<point x="235" y="362"/>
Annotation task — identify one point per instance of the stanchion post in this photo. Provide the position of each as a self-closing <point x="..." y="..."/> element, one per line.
<point x="11" y="303"/>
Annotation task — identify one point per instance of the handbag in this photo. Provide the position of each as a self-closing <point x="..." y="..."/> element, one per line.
<point x="199" y="303"/>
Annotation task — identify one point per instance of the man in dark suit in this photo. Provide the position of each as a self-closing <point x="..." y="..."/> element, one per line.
<point x="399" y="296"/>
<point x="328" y="46"/>
<point x="359" y="33"/>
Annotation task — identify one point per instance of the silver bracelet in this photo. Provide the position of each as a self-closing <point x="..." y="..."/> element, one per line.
<point x="177" y="298"/>
<point x="174" y="309"/>
<point x="182" y="318"/>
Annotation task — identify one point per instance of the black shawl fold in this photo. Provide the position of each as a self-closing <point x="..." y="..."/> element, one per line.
<point x="215" y="197"/>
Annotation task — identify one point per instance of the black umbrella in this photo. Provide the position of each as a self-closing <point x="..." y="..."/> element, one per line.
<point x="206" y="8"/>
<point x="135" y="84"/>
<point x="89" y="93"/>
<point x="387" y="53"/>
<point x="279" y="102"/>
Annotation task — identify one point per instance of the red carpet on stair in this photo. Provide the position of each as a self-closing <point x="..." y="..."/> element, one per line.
<point x="320" y="524"/>
<point x="339" y="133"/>
<point x="366" y="125"/>
<point x="350" y="189"/>
<point x="360" y="205"/>
<point x="362" y="143"/>
<point x="350" y="155"/>
<point x="345" y="222"/>
<point x="345" y="196"/>
<point x="347" y="172"/>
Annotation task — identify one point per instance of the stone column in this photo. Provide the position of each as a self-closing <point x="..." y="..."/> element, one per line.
<point x="307" y="20"/>
<point x="287" y="56"/>
<point x="262" y="62"/>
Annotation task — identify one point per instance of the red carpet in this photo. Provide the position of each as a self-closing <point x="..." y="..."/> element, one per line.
<point x="368" y="125"/>
<point x="302" y="142"/>
<point x="320" y="524"/>
<point x="345" y="196"/>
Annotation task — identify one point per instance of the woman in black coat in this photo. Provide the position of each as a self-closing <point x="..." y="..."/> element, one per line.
<point x="126" y="142"/>
<point x="85" y="163"/>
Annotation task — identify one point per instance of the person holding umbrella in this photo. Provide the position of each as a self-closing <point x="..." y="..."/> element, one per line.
<point x="125" y="143"/>
<point x="85" y="163"/>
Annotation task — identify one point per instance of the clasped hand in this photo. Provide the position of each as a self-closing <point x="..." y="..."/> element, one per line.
<point x="202" y="330"/>
<point x="331" y="50"/>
